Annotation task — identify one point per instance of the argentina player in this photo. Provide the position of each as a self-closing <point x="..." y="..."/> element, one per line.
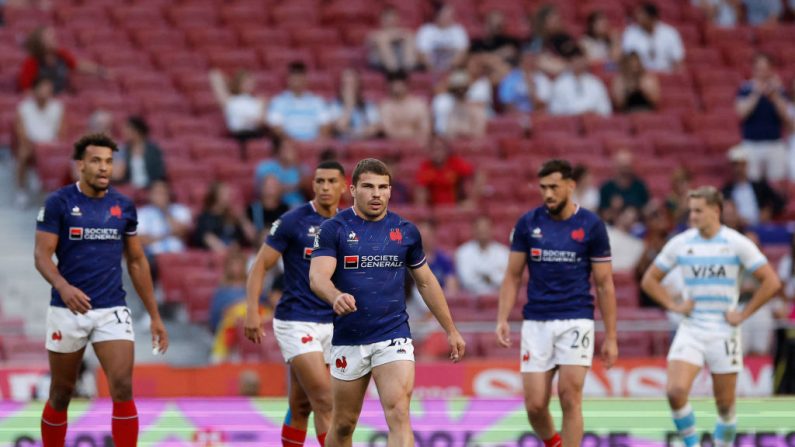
<point x="562" y="245"/>
<point x="89" y="226"/>
<point x="359" y="266"/>
<point x="711" y="258"/>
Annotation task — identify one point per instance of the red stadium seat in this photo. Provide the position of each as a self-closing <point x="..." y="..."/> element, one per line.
<point x="292" y="14"/>
<point x="646" y="122"/>
<point x="546" y="123"/>
<point x="704" y="57"/>
<point x="250" y="15"/>
<point x="739" y="35"/>
<point x="257" y="37"/>
<point x="597" y="124"/>
<point x="339" y="58"/>
<point x="187" y="15"/>
<point x="231" y="60"/>
<point x="200" y="37"/>
<point x="277" y="58"/>
<point x="345" y="12"/>
<point x="213" y="148"/>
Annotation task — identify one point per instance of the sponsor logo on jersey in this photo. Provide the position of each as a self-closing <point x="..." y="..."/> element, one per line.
<point x="353" y="237"/>
<point x="313" y="231"/>
<point x="351" y="262"/>
<point x="308" y="252"/>
<point x="708" y="271"/>
<point x="76" y="211"/>
<point x="536" y="233"/>
<point x="94" y="234"/>
<point x="401" y="351"/>
<point x="341" y="363"/>
<point x="115" y="211"/>
<point x="395" y="235"/>
<point x="306" y="339"/>
<point x="56" y="336"/>
<point x="540" y="255"/>
<point x="690" y="251"/>
<point x="40" y="217"/>
<point x="578" y="235"/>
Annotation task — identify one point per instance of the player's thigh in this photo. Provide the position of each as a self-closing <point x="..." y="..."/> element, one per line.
<point x="571" y="379"/>
<point x="300" y="406"/>
<point x="300" y="337"/>
<point x="537" y="347"/>
<point x="574" y="342"/>
<point x="681" y="375"/>
<point x="348" y="396"/>
<point x="64" y="369"/>
<point x="395" y="383"/>
<point x="67" y="332"/>
<point x="116" y="358"/>
<point x="537" y="390"/>
<point x="311" y="373"/>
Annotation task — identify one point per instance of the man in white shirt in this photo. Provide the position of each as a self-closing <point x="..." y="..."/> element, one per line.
<point x="577" y="91"/>
<point x="442" y="44"/>
<point x="163" y="225"/>
<point x="39" y="119"/>
<point x="658" y="44"/>
<point x="481" y="262"/>
<point x="297" y="113"/>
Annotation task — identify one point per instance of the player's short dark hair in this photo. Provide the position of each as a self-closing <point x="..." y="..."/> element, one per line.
<point x="397" y="75"/>
<point x="372" y="166"/>
<point x="331" y="164"/>
<point x="296" y="67"/>
<point x="552" y="166"/>
<point x="93" y="139"/>
<point x="710" y="194"/>
<point x="139" y="124"/>
<point x="650" y="9"/>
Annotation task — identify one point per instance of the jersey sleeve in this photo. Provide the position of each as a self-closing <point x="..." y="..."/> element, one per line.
<point x="750" y="256"/>
<point x="326" y="240"/>
<point x="50" y="215"/>
<point x="279" y="236"/>
<point x="519" y="236"/>
<point x="666" y="260"/>
<point x="415" y="256"/>
<point x="599" y="244"/>
<point x="131" y="227"/>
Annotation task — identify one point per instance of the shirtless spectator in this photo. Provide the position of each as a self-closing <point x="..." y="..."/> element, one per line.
<point x="391" y="46"/>
<point x="404" y="116"/>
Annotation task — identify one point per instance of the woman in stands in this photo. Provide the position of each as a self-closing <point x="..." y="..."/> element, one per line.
<point x="244" y="112"/>
<point x="352" y="115"/>
<point x="600" y="43"/>
<point x="634" y="89"/>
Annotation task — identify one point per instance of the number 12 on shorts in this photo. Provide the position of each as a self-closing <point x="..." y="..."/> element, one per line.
<point x="731" y="346"/>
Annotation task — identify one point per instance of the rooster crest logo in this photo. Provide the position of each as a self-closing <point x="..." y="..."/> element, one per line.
<point x="115" y="211"/>
<point x="578" y="235"/>
<point x="395" y="235"/>
<point x="56" y="336"/>
<point x="306" y="339"/>
<point x="526" y="356"/>
<point x="341" y="363"/>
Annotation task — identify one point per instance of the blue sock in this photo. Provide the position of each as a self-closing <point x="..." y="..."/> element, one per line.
<point x="725" y="431"/>
<point x="685" y="422"/>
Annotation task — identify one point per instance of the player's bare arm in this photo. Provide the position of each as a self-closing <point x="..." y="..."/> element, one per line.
<point x="266" y="258"/>
<point x="74" y="298"/>
<point x="769" y="286"/>
<point x="141" y="276"/>
<point x="432" y="294"/>
<point x="508" y="290"/>
<point x="320" y="271"/>
<point x="652" y="285"/>
<point x="606" y="296"/>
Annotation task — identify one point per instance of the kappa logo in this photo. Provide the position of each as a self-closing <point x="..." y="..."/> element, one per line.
<point x="351" y="262"/>
<point x="56" y="336"/>
<point x="115" y="211"/>
<point x="76" y="211"/>
<point x="341" y="363"/>
<point x="536" y="233"/>
<point x="308" y="252"/>
<point x="395" y="235"/>
<point x="526" y="356"/>
<point x="306" y="339"/>
<point x="578" y="235"/>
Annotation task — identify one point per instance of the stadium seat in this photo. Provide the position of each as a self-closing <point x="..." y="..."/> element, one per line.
<point x="257" y="36"/>
<point x="237" y="15"/>
<point x="232" y="60"/>
<point x="548" y="123"/>
<point x="651" y="122"/>
<point x="597" y="124"/>
<point x="200" y="37"/>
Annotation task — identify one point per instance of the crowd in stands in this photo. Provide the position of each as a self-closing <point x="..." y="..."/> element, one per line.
<point x="461" y="99"/>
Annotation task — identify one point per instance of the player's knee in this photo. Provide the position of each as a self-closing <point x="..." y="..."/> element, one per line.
<point x="535" y="406"/>
<point x="726" y="409"/>
<point x="570" y="398"/>
<point x="300" y="409"/>
<point x="60" y="397"/>
<point x="343" y="426"/>
<point x="397" y="413"/>
<point x="677" y="395"/>
<point x="322" y="404"/>
<point x="121" y="389"/>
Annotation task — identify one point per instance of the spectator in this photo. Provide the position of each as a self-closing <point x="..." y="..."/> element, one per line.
<point x="140" y="160"/>
<point x="455" y="116"/>
<point x="100" y="121"/>
<point x="625" y="244"/>
<point x="762" y="12"/>
<point x="404" y="116"/>
<point x="443" y="43"/>
<point x="391" y="46"/>
<point x="525" y="89"/>
<point x="285" y="168"/>
<point x="577" y="91"/>
<point x="162" y="224"/>
<point x="634" y="89"/>
<point x="658" y="227"/>
<point x="730" y="217"/>
<point x="756" y="201"/>
<point x="352" y="115"/>
<point x="481" y="262"/>
<point x="445" y="178"/>
<point x="624" y="190"/>
<point x="723" y="13"/>
<point x="485" y="73"/>
<point x="244" y="113"/>
<point x="220" y="224"/>
<point x="600" y="43"/>
<point x="40" y="118"/>
<point x="47" y="60"/>
<point x="585" y="193"/>
<point x="232" y="288"/>
<point x="268" y="207"/>
<point x="297" y="113"/>
<point x="495" y="41"/>
<point x="762" y="108"/>
<point x="401" y="192"/>
<point x="658" y="44"/>
<point x="439" y="261"/>
<point x="549" y="42"/>
<point x="676" y="203"/>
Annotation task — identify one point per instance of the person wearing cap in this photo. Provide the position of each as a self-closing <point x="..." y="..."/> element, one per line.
<point x="454" y="115"/>
<point x="756" y="201"/>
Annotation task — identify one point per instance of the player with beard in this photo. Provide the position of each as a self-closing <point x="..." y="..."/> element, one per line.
<point x="359" y="267"/>
<point x="562" y="245"/>
<point x="303" y="322"/>
<point x="89" y="226"/>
